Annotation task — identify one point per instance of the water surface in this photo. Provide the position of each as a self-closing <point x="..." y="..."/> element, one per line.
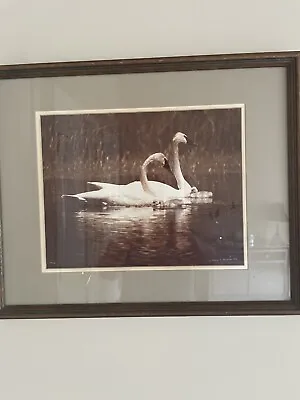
<point x="200" y="234"/>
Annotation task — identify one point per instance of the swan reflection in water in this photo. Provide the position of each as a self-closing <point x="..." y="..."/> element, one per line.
<point x="124" y="223"/>
<point x="133" y="236"/>
<point x="130" y="236"/>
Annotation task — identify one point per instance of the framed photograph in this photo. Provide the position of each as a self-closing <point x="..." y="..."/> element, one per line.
<point x="150" y="187"/>
<point x="115" y="190"/>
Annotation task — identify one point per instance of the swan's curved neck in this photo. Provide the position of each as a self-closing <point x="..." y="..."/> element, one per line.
<point x="144" y="178"/>
<point x="176" y="166"/>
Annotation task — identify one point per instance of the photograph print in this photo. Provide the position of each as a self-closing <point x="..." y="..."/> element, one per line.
<point x="143" y="189"/>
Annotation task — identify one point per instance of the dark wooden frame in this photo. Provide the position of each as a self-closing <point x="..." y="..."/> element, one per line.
<point x="288" y="60"/>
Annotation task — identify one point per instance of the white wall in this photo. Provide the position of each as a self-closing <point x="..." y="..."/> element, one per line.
<point x="175" y="358"/>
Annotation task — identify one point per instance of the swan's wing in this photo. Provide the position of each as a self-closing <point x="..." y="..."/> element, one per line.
<point x="163" y="191"/>
<point x="130" y="194"/>
<point x="134" y="190"/>
<point x="103" y="185"/>
<point x="116" y="195"/>
<point x="131" y="190"/>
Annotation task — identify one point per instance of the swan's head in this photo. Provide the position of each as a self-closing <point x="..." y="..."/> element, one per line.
<point x="180" y="137"/>
<point x="162" y="159"/>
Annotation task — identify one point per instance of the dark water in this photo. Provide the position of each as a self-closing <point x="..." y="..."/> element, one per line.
<point x="201" y="234"/>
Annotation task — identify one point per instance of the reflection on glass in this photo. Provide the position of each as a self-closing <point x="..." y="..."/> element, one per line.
<point x="271" y="226"/>
<point x="268" y="275"/>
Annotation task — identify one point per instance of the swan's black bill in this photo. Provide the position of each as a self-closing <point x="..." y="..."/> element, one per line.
<point x="167" y="165"/>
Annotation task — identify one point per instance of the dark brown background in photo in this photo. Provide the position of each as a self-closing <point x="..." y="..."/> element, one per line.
<point x="111" y="148"/>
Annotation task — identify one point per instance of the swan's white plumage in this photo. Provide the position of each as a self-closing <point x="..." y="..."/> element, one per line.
<point x="184" y="188"/>
<point x="182" y="184"/>
<point x="136" y="193"/>
<point x="144" y="192"/>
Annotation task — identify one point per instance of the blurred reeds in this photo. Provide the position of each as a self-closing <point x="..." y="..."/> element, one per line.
<point x="112" y="147"/>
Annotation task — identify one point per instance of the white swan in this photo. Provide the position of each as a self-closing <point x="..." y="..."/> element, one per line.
<point x="185" y="189"/>
<point x="138" y="193"/>
<point x="182" y="184"/>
